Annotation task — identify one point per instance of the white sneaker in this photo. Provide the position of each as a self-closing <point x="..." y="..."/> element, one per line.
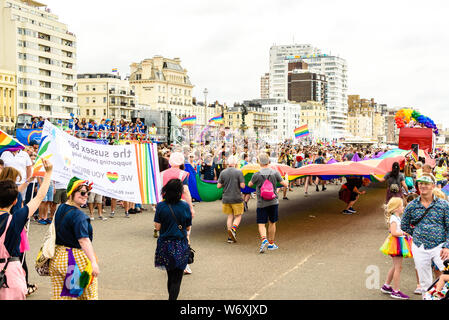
<point x="187" y="270"/>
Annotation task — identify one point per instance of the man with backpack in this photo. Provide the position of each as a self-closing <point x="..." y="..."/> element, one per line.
<point x="266" y="181"/>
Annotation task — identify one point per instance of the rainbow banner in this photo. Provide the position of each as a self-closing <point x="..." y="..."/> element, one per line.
<point x="123" y="172"/>
<point x="114" y="70"/>
<point x="302" y="131"/>
<point x="150" y="183"/>
<point x="189" y="121"/>
<point x="217" y="120"/>
<point x="7" y="143"/>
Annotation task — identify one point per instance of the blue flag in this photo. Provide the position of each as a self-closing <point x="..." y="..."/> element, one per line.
<point x="25" y="136"/>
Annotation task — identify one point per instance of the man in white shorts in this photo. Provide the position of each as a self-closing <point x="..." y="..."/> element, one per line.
<point x="97" y="199"/>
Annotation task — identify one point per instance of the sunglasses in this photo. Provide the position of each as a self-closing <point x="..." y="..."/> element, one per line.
<point x="84" y="193"/>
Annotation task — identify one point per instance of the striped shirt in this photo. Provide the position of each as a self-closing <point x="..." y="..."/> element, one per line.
<point x="433" y="228"/>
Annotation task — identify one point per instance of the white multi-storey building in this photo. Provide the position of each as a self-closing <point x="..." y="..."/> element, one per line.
<point x="42" y="52"/>
<point x="333" y="67"/>
<point x="285" y="117"/>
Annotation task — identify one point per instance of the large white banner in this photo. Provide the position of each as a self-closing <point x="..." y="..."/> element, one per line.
<point x="123" y="172"/>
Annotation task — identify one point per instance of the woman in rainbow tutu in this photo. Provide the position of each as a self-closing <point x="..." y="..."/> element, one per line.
<point x="397" y="246"/>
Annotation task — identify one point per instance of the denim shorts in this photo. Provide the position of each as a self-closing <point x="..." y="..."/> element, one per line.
<point x="267" y="213"/>
<point x="49" y="196"/>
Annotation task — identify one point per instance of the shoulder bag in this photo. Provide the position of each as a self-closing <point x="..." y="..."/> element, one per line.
<point x="47" y="251"/>
<point x="3" y="279"/>
<point x="413" y="226"/>
<point x="191" y="251"/>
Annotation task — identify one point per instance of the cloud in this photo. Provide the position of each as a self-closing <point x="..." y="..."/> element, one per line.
<point x="395" y="50"/>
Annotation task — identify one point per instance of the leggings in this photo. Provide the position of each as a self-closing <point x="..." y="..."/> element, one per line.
<point x="174" y="283"/>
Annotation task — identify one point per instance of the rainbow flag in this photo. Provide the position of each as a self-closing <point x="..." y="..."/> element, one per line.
<point x="114" y="70"/>
<point x="414" y="156"/>
<point x="7" y="143"/>
<point x="189" y="121"/>
<point x="150" y="182"/>
<point x="302" y="131"/>
<point x="217" y="119"/>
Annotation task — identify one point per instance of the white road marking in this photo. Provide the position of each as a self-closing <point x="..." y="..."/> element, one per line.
<point x="281" y="276"/>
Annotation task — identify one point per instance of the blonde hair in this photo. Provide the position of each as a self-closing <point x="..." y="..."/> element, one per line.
<point x="438" y="193"/>
<point x="392" y="205"/>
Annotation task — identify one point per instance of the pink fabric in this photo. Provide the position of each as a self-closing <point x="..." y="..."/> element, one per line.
<point x="173" y="173"/>
<point x="14" y="273"/>
<point x="24" y="243"/>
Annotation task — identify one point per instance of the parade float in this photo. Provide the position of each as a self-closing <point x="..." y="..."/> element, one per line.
<point x="415" y="130"/>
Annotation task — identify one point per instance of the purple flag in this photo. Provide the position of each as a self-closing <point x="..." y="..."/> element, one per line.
<point x="356" y="158"/>
<point x="332" y="161"/>
<point x="72" y="286"/>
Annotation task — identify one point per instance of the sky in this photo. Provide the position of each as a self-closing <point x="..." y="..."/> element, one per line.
<point x="396" y="51"/>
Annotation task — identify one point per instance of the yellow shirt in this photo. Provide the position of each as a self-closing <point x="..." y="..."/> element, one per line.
<point x="418" y="173"/>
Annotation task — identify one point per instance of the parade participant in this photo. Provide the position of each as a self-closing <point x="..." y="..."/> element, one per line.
<point x="11" y="227"/>
<point x="73" y="233"/>
<point x="152" y="129"/>
<point x="349" y="192"/>
<point x="267" y="210"/>
<point x="440" y="172"/>
<point x="95" y="199"/>
<point x="44" y="219"/>
<point x="21" y="161"/>
<point x="173" y="219"/>
<point x="320" y="160"/>
<point x="395" y="182"/>
<point x="176" y="160"/>
<point x="231" y="180"/>
<point x="427" y="220"/>
<point x="208" y="169"/>
<point x="393" y="211"/>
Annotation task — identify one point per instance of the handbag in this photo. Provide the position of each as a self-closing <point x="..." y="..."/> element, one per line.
<point x="3" y="278"/>
<point x="47" y="251"/>
<point x="191" y="251"/>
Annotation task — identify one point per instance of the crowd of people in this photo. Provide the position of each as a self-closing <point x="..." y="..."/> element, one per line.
<point x="106" y="129"/>
<point x="425" y="218"/>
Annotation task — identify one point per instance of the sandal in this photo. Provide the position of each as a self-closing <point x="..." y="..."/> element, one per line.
<point x="31" y="289"/>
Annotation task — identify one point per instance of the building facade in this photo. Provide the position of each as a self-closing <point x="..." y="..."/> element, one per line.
<point x="304" y="85"/>
<point x="333" y="67"/>
<point x="285" y="116"/>
<point x="7" y="100"/>
<point x="366" y="118"/>
<point x="105" y="96"/>
<point x="162" y="84"/>
<point x="42" y="52"/>
<point x="314" y="114"/>
<point x="265" y="86"/>
<point x="256" y="118"/>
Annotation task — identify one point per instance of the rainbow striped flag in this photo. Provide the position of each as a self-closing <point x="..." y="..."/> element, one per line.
<point x="217" y="119"/>
<point x="302" y="131"/>
<point x="414" y="156"/>
<point x="7" y="143"/>
<point x="114" y="70"/>
<point x="150" y="183"/>
<point x="189" y="121"/>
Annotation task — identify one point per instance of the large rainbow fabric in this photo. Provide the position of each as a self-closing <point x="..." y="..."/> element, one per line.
<point x="302" y="131"/>
<point x="189" y="121"/>
<point x="150" y="183"/>
<point x="9" y="144"/>
<point x="397" y="246"/>
<point x="217" y="119"/>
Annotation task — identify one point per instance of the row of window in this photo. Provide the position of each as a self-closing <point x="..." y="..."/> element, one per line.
<point x="43" y="36"/>
<point x="44" y="60"/>
<point x="35" y="12"/>
<point x="40" y="47"/>
<point x="45" y="72"/>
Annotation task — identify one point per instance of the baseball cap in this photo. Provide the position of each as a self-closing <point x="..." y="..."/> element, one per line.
<point x="426" y="179"/>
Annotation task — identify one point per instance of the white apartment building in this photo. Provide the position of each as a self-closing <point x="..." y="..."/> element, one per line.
<point x="42" y="52"/>
<point x="285" y="117"/>
<point x="334" y="68"/>
<point x="265" y="86"/>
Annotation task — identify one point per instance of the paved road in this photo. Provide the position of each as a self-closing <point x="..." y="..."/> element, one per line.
<point x="323" y="254"/>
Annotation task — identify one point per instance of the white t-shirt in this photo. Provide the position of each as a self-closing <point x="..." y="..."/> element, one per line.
<point x="20" y="162"/>
<point x="395" y="218"/>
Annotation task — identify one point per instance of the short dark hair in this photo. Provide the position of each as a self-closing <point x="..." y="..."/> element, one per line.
<point x="172" y="191"/>
<point x="8" y="193"/>
<point x="2" y="163"/>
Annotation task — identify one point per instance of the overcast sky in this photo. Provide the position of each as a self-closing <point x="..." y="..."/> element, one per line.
<point x="396" y="50"/>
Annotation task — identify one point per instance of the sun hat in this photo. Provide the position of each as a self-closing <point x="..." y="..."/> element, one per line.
<point x="75" y="182"/>
<point x="176" y="159"/>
